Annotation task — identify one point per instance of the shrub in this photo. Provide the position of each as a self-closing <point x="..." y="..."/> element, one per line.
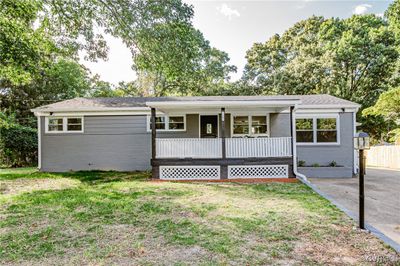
<point x="18" y="144"/>
<point x="301" y="163"/>
<point x="333" y="164"/>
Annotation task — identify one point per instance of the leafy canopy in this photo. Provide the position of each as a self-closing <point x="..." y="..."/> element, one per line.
<point x="352" y="58"/>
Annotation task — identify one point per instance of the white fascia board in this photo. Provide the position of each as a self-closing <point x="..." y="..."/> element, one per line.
<point x="81" y="113"/>
<point x="323" y="110"/>
<point x="90" y="109"/>
<point x="188" y="104"/>
<point x="324" y="106"/>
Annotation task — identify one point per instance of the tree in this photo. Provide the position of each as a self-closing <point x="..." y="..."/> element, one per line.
<point x="60" y="80"/>
<point x="352" y="58"/>
<point x="388" y="109"/>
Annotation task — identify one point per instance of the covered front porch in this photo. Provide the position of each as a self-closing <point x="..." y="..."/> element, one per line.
<point x="222" y="139"/>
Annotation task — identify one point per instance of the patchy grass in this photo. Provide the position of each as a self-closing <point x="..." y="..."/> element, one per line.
<point x="121" y="218"/>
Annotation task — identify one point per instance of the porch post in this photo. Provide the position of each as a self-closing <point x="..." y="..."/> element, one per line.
<point x="223" y="133"/>
<point x="155" y="172"/>
<point x="291" y="135"/>
<point x="224" y="166"/>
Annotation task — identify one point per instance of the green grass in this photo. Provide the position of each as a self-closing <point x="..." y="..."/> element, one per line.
<point x="116" y="218"/>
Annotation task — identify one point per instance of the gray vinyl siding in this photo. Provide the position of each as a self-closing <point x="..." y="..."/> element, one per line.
<point x="108" y="143"/>
<point x="123" y="143"/>
<point x="342" y="154"/>
<point x="280" y="125"/>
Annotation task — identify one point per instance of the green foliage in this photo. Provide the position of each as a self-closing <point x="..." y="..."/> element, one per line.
<point x="352" y="58"/>
<point x="18" y="144"/>
<point x="387" y="110"/>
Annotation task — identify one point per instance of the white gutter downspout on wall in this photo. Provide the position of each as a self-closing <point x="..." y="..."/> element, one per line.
<point x="39" y="143"/>
<point x="300" y="176"/>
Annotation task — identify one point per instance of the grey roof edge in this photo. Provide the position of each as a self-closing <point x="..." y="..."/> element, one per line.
<point x="311" y="101"/>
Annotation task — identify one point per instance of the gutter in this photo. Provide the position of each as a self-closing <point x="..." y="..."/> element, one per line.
<point x="298" y="175"/>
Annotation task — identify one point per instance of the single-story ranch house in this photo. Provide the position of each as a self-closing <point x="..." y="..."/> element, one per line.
<point x="210" y="137"/>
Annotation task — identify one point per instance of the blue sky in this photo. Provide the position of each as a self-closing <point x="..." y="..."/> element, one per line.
<point x="233" y="26"/>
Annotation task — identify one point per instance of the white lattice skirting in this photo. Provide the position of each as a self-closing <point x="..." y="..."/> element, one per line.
<point x="258" y="171"/>
<point x="206" y="172"/>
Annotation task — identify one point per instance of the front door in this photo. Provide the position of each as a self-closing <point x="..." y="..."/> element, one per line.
<point x="208" y="126"/>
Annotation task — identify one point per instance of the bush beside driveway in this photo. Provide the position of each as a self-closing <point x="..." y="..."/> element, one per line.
<point x="106" y="218"/>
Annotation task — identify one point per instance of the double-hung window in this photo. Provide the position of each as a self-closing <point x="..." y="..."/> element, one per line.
<point x="250" y="125"/>
<point x="64" y="124"/>
<point x="317" y="130"/>
<point x="168" y="123"/>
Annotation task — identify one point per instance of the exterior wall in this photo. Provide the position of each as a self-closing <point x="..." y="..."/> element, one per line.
<point x="108" y="143"/>
<point x="123" y="143"/>
<point x="192" y="129"/>
<point x="280" y="125"/>
<point x="321" y="154"/>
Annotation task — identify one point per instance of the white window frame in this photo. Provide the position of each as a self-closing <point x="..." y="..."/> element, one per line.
<point x="314" y="117"/>
<point x="249" y="117"/>
<point x="65" y="125"/>
<point x="166" y="117"/>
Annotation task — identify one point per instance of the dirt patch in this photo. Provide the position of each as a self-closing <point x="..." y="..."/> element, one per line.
<point x="23" y="185"/>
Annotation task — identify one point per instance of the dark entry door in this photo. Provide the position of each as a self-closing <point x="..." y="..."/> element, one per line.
<point x="208" y="126"/>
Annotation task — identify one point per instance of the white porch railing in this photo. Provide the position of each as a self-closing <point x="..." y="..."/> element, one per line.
<point x="212" y="148"/>
<point x="188" y="148"/>
<point x="258" y="147"/>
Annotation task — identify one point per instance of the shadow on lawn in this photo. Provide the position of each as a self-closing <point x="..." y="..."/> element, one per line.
<point x="88" y="177"/>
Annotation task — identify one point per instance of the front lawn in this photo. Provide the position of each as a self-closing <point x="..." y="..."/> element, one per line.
<point x="107" y="218"/>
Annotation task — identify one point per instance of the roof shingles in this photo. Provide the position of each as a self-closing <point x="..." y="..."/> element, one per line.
<point x="121" y="102"/>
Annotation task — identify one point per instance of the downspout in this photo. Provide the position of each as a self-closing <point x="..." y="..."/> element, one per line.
<point x="298" y="175"/>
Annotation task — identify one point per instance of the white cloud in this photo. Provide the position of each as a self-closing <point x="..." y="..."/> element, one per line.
<point x="381" y="15"/>
<point x="361" y="9"/>
<point x="225" y="10"/>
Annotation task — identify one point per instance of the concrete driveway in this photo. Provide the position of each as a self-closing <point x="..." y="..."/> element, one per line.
<point x="382" y="202"/>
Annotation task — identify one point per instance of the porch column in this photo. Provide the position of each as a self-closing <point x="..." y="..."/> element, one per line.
<point x="291" y="135"/>
<point x="155" y="172"/>
<point x="223" y="133"/>
<point x="224" y="166"/>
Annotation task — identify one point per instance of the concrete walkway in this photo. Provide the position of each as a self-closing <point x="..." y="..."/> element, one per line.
<point x="382" y="202"/>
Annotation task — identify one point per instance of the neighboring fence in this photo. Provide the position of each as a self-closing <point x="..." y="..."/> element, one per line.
<point x="384" y="156"/>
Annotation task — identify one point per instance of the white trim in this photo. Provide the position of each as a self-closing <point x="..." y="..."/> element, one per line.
<point x="249" y="117"/>
<point x="324" y="106"/>
<point x="242" y="103"/>
<point x="148" y="119"/>
<point x="205" y="114"/>
<point x="39" y="125"/>
<point x="89" y="109"/>
<point x="78" y="113"/>
<point x="65" y="125"/>
<point x="315" y="117"/>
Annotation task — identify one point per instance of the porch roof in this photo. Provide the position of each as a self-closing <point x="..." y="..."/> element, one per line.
<point x="230" y="104"/>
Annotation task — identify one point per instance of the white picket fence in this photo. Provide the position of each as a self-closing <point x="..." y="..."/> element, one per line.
<point x="212" y="148"/>
<point x="384" y="156"/>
